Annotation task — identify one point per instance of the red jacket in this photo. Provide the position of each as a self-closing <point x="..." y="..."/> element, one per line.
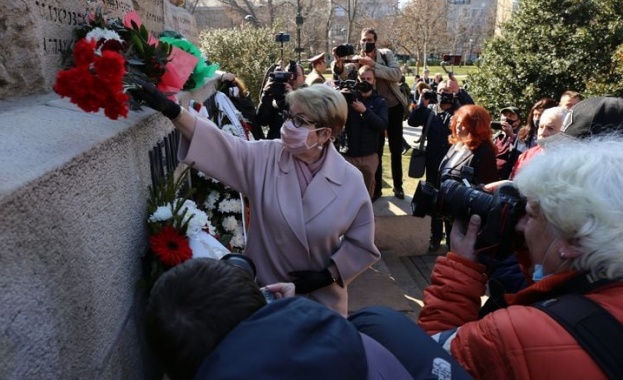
<point x="517" y="342"/>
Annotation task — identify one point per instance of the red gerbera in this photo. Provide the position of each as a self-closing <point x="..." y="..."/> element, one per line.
<point x="170" y="246"/>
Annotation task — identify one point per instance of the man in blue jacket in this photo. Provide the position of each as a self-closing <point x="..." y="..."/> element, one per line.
<point x="207" y="319"/>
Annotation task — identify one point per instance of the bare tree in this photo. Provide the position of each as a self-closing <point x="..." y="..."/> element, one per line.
<point x="420" y="27"/>
<point x="351" y="9"/>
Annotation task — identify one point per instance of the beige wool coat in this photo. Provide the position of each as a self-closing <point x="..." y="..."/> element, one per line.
<point x="332" y="222"/>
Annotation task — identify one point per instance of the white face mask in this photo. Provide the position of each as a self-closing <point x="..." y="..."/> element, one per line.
<point x="295" y="139"/>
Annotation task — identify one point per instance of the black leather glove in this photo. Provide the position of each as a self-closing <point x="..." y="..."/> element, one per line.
<point x="306" y="281"/>
<point x="147" y="92"/>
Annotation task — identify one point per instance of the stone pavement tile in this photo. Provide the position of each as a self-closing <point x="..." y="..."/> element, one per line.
<point x="376" y="286"/>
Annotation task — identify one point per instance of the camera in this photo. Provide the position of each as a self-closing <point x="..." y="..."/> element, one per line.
<point x="344" y="50"/>
<point x="282" y="37"/>
<point x="431" y="96"/>
<point x="280" y="78"/>
<point x="351" y="89"/>
<point x="499" y="211"/>
<point x="246" y="264"/>
<point x="496" y="125"/>
<point x="445" y="97"/>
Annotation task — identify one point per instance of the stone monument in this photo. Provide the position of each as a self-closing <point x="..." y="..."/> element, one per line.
<point x="73" y="191"/>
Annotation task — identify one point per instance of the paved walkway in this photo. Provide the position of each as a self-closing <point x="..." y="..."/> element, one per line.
<point x="399" y="278"/>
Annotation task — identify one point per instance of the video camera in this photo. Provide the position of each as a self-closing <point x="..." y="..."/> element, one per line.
<point x="280" y="78"/>
<point x="445" y="97"/>
<point x="499" y="211"/>
<point x="351" y="89"/>
<point x="496" y="125"/>
<point x="431" y="96"/>
<point x="344" y="50"/>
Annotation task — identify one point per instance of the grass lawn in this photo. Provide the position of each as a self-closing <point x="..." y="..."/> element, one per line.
<point x="460" y="72"/>
<point x="408" y="183"/>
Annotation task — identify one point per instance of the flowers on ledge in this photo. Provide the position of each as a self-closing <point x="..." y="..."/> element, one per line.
<point x="111" y="53"/>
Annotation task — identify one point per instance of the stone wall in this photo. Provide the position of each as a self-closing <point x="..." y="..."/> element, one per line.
<point x="73" y="192"/>
<point x="36" y="36"/>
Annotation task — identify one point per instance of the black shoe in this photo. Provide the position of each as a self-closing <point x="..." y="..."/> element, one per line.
<point x="376" y="196"/>
<point x="406" y="149"/>
<point x="399" y="193"/>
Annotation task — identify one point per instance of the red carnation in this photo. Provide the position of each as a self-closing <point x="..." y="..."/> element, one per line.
<point x="170" y="246"/>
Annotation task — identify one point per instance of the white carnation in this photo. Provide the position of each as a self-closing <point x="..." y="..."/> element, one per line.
<point x="198" y="220"/>
<point x="238" y="239"/>
<point x="230" y="205"/>
<point x="201" y="174"/>
<point x="211" y="229"/>
<point x="103" y="34"/>
<point x="230" y="223"/>
<point x="162" y="213"/>
<point x="210" y="202"/>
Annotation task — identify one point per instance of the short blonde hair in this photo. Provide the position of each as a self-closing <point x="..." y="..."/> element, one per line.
<point x="328" y="106"/>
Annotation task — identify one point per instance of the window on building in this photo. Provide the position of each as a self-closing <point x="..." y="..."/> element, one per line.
<point x="460" y="1"/>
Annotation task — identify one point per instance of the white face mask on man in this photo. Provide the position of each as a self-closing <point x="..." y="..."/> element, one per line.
<point x="295" y="139"/>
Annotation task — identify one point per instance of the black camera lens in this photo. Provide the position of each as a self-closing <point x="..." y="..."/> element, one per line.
<point x="344" y="50"/>
<point x="499" y="212"/>
<point x="460" y="201"/>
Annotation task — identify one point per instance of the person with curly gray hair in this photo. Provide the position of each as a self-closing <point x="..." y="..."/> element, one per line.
<point x="572" y="230"/>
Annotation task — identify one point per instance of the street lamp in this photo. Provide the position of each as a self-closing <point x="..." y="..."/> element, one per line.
<point x="251" y="20"/>
<point x="299" y="24"/>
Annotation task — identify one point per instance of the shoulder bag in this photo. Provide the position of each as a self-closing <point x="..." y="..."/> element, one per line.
<point x="417" y="164"/>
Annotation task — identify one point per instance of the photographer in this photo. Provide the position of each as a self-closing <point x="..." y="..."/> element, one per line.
<point x="272" y="103"/>
<point x="367" y="118"/>
<point x="572" y="231"/>
<point x="387" y="73"/>
<point x="506" y="139"/>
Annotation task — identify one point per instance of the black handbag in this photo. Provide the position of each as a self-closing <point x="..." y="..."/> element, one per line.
<point x="417" y="164"/>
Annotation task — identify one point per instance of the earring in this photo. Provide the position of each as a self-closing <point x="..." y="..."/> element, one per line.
<point x="562" y="255"/>
<point x="319" y="147"/>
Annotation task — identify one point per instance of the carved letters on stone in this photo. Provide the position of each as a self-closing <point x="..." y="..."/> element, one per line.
<point x="38" y="38"/>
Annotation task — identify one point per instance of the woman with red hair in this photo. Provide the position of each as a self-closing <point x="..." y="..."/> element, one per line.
<point x="472" y="154"/>
<point x="472" y="146"/>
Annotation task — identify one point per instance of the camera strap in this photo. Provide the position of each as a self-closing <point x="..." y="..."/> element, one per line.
<point x="592" y="326"/>
<point x="425" y="129"/>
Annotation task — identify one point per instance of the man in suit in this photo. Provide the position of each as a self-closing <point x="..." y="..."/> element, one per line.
<point x="319" y="65"/>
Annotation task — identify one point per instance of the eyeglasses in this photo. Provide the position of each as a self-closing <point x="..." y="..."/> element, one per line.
<point x="298" y="120"/>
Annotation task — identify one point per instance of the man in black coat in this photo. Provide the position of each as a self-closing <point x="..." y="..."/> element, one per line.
<point x="367" y="119"/>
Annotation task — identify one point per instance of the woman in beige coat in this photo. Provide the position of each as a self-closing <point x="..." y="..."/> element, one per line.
<point x="311" y="216"/>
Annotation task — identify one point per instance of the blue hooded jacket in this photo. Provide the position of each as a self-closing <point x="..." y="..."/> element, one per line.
<point x="313" y="343"/>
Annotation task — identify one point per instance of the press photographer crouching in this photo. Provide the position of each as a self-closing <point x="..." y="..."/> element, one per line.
<point x="272" y="103"/>
<point x="567" y="324"/>
<point x="208" y="319"/>
<point x="366" y="121"/>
